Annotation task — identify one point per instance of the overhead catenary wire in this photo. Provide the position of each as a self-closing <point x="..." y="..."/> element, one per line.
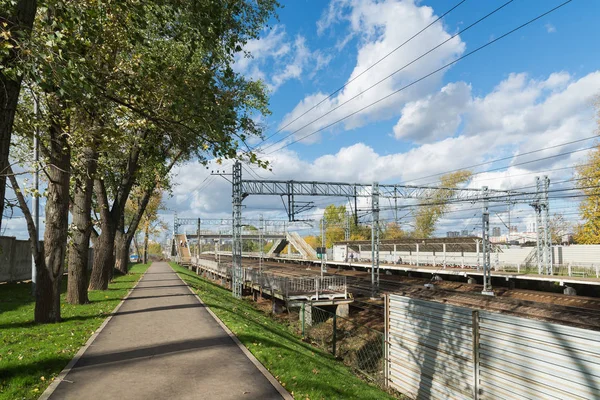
<point x="361" y="73"/>
<point x="392" y="74"/>
<point x="509" y="158"/>
<point x="445" y="66"/>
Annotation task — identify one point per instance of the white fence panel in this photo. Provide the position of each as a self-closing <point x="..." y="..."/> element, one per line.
<point x="526" y="359"/>
<point x="430" y="349"/>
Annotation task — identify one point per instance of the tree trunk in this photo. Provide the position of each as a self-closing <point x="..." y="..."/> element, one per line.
<point x="136" y="245"/>
<point x="104" y="246"/>
<point x="82" y="221"/>
<point x="121" y="252"/>
<point x="104" y="259"/>
<point x="21" y="20"/>
<point x="47" y="305"/>
<point x="146" y="234"/>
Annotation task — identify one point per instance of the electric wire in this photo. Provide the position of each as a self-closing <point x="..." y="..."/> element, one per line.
<point x="425" y="76"/>
<point x="392" y="74"/>
<point x="360" y="74"/>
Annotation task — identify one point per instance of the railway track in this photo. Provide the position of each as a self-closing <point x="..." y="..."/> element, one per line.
<point x="571" y="310"/>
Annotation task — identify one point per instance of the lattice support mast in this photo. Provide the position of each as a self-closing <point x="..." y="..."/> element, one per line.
<point x="547" y="245"/>
<point x="375" y="239"/>
<point x="486" y="248"/>
<point x="236" y="248"/>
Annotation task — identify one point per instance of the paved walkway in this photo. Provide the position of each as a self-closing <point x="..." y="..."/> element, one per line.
<point x="163" y="343"/>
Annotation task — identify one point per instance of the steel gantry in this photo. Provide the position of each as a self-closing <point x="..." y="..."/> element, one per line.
<point x="243" y="188"/>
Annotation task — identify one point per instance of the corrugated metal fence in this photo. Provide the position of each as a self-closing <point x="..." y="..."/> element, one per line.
<point x="439" y="351"/>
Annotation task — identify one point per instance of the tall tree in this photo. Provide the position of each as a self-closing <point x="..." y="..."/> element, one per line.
<point x="335" y="224"/>
<point x="559" y="227"/>
<point x="186" y="101"/>
<point x="431" y="210"/>
<point x="393" y="231"/>
<point x="588" y="231"/>
<point x="16" y="22"/>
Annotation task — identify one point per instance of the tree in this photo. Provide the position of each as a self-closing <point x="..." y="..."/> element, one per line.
<point x="559" y="227"/>
<point x="150" y="224"/>
<point x="431" y="210"/>
<point x="154" y="79"/>
<point x="588" y="173"/>
<point x="393" y="231"/>
<point x="186" y="98"/>
<point x="16" y="22"/>
<point x="334" y="218"/>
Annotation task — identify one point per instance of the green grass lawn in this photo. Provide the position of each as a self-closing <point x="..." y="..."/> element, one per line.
<point x="305" y="371"/>
<point x="31" y="355"/>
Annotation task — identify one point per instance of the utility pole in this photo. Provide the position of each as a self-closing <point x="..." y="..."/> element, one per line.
<point x="323" y="255"/>
<point x="374" y="239"/>
<point x="236" y="247"/>
<point x="199" y="248"/>
<point x="487" y="273"/>
<point x="260" y="241"/>
<point x="36" y="199"/>
<point x="548" y="234"/>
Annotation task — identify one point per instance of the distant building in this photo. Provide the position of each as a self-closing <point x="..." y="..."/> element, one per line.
<point x="453" y="234"/>
<point x="496" y="231"/>
<point x="464" y="233"/>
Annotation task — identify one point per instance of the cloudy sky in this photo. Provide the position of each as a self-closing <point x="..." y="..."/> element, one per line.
<point x="353" y="101"/>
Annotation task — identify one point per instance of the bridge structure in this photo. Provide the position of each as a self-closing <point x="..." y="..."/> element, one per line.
<point x="426" y="195"/>
<point x="256" y="230"/>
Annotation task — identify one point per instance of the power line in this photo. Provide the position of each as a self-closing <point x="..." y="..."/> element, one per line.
<point x="505" y="158"/>
<point x="359" y="75"/>
<point x="392" y="74"/>
<point x="424" y="77"/>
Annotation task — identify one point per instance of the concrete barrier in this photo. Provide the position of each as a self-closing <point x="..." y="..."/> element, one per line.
<point x="16" y="259"/>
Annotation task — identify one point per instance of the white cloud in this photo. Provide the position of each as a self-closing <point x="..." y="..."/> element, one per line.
<point x="518" y="116"/>
<point x="276" y="59"/>
<point x="550" y="28"/>
<point x="535" y="113"/>
<point x="380" y="26"/>
<point x="416" y="123"/>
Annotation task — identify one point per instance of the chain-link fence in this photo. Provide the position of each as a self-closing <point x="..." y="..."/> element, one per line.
<point x="359" y="347"/>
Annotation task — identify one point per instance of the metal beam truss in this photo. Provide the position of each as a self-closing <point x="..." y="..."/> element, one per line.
<point x="243" y="188"/>
<point x="179" y="222"/>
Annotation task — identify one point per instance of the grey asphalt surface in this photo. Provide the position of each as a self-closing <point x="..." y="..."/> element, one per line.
<point x="163" y="344"/>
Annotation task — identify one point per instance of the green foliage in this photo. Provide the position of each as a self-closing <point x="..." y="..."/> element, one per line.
<point x="393" y="231"/>
<point x="431" y="210"/>
<point x="335" y="224"/>
<point x="32" y="355"/>
<point x="588" y="173"/>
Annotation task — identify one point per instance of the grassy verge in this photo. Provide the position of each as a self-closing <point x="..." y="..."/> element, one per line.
<point x="306" y="372"/>
<point x="31" y="355"/>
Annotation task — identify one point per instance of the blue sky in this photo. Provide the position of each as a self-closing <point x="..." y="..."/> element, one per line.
<point x="530" y="90"/>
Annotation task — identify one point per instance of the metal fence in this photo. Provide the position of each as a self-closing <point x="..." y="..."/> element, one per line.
<point x="430" y="351"/>
<point x="315" y="287"/>
<point x="358" y="346"/>
<point x="521" y="358"/>
<point x="439" y="351"/>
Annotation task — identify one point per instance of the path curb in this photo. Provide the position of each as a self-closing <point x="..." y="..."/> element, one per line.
<point x="282" y="391"/>
<point x="50" y="389"/>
